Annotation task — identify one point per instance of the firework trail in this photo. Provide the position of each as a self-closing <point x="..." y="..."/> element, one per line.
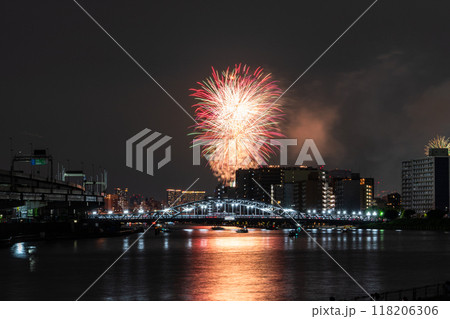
<point x="438" y="142"/>
<point x="228" y="110"/>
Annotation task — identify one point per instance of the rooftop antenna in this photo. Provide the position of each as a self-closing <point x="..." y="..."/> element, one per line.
<point x="11" y="149"/>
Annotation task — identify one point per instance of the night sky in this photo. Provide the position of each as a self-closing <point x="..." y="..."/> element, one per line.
<point x="373" y="100"/>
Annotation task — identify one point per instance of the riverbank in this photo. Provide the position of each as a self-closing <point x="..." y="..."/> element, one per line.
<point x="11" y="233"/>
<point x="442" y="224"/>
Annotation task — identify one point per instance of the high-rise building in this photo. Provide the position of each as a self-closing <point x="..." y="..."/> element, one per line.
<point x="111" y="202"/>
<point x="353" y="193"/>
<point x="117" y="202"/>
<point x="193" y="196"/>
<point x="222" y="191"/>
<point x="348" y="194"/>
<point x="300" y="187"/>
<point x="393" y="201"/>
<point x="367" y="192"/>
<point x="173" y="195"/>
<point x="178" y="196"/>
<point x="426" y="182"/>
<point x="122" y="204"/>
<point x="249" y="183"/>
<point x="306" y="188"/>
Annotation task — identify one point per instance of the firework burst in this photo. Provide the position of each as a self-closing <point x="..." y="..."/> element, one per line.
<point x="236" y="116"/>
<point x="438" y="142"/>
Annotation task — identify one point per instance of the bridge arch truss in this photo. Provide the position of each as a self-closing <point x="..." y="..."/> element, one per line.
<point x="226" y="208"/>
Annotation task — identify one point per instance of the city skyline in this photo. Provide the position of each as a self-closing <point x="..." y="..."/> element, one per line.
<point x="405" y="83"/>
<point x="210" y="151"/>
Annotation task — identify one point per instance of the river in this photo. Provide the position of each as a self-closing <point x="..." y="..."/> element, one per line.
<point x="197" y="263"/>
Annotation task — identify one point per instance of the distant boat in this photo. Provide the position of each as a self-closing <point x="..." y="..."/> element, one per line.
<point x="217" y="228"/>
<point x="242" y="230"/>
<point x="295" y="232"/>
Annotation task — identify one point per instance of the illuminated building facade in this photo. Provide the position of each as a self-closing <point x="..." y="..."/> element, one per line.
<point x="299" y="187"/>
<point x="111" y="202"/>
<point x="117" y="202"/>
<point x="425" y="182"/>
<point x="353" y="193"/>
<point x="178" y="196"/>
<point x="366" y="193"/>
<point x="393" y="201"/>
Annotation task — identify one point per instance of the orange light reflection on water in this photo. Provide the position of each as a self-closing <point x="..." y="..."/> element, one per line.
<point x="238" y="274"/>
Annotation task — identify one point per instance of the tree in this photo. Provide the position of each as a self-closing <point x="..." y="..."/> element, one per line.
<point x="408" y="213"/>
<point x="391" y="214"/>
<point x="435" y="214"/>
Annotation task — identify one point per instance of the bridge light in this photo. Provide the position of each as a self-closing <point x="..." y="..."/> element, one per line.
<point x="110" y="212"/>
<point x="140" y="211"/>
<point x="345" y="212"/>
<point x="374" y="214"/>
<point x="125" y="211"/>
<point x="309" y="211"/>
<point x="359" y="213"/>
<point x="368" y="214"/>
<point x="339" y="212"/>
<point x="94" y="213"/>
<point x="353" y="213"/>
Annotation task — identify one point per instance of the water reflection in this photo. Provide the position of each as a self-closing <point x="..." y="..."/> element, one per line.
<point x="233" y="268"/>
<point x="201" y="264"/>
<point x="356" y="239"/>
<point x="26" y="251"/>
<point x="125" y="244"/>
<point x="19" y="250"/>
<point x="189" y="243"/>
<point x="141" y="244"/>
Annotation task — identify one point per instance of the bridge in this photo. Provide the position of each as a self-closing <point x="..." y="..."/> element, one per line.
<point x="31" y="195"/>
<point x="214" y="209"/>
